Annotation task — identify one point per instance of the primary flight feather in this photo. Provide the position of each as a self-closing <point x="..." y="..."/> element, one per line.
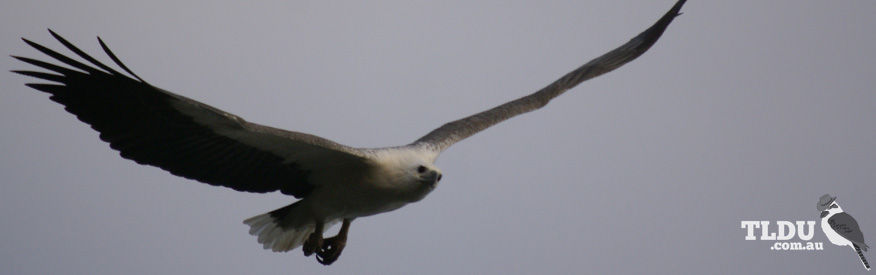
<point x="335" y="183"/>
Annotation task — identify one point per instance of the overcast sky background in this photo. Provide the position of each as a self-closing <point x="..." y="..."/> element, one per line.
<point x="744" y="110"/>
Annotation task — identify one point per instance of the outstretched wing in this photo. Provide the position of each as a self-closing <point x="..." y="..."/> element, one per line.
<point x="452" y="132"/>
<point x="847" y="227"/>
<point x="183" y="136"/>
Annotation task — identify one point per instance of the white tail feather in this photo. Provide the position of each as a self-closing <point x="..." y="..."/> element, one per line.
<point x="278" y="238"/>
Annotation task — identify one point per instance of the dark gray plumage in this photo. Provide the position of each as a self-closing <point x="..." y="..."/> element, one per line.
<point x="847" y="227"/>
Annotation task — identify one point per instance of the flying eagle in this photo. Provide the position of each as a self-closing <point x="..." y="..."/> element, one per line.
<point x="335" y="183"/>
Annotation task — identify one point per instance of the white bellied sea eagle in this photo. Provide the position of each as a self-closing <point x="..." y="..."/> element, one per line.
<point x="334" y="183"/>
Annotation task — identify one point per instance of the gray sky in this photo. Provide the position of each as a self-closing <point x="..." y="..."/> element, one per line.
<point x="744" y="110"/>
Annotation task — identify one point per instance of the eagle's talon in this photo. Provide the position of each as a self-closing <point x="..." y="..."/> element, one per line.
<point x="313" y="244"/>
<point x="331" y="249"/>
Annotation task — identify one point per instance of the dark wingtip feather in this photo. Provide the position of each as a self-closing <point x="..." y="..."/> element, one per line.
<point x="82" y="54"/>
<point x="41" y="75"/>
<point x="60" y="57"/>
<point x="654" y="32"/>
<point x="48" y="88"/>
<point x="46" y="65"/>
<point x="116" y="59"/>
<point x="31" y="43"/>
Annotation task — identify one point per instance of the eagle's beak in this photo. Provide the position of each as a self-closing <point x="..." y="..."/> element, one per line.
<point x="432" y="177"/>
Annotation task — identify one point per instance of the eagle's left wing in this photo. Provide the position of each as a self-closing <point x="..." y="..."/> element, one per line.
<point x="452" y="132"/>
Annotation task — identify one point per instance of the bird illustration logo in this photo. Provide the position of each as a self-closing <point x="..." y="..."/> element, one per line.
<point x="840" y="228"/>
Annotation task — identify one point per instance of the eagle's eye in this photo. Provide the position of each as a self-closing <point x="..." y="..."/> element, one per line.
<point x="421" y="169"/>
<point x="833" y="206"/>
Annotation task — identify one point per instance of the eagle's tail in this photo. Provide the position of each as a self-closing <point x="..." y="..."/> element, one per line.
<point x="861" y="255"/>
<point x="283" y="229"/>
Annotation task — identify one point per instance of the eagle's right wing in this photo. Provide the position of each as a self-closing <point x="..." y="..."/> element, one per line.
<point x="183" y="136"/>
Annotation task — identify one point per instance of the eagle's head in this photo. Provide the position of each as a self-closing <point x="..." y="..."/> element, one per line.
<point x="411" y="172"/>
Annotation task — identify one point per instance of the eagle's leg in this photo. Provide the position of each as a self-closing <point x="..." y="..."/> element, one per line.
<point x="332" y="247"/>
<point x="315" y="241"/>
